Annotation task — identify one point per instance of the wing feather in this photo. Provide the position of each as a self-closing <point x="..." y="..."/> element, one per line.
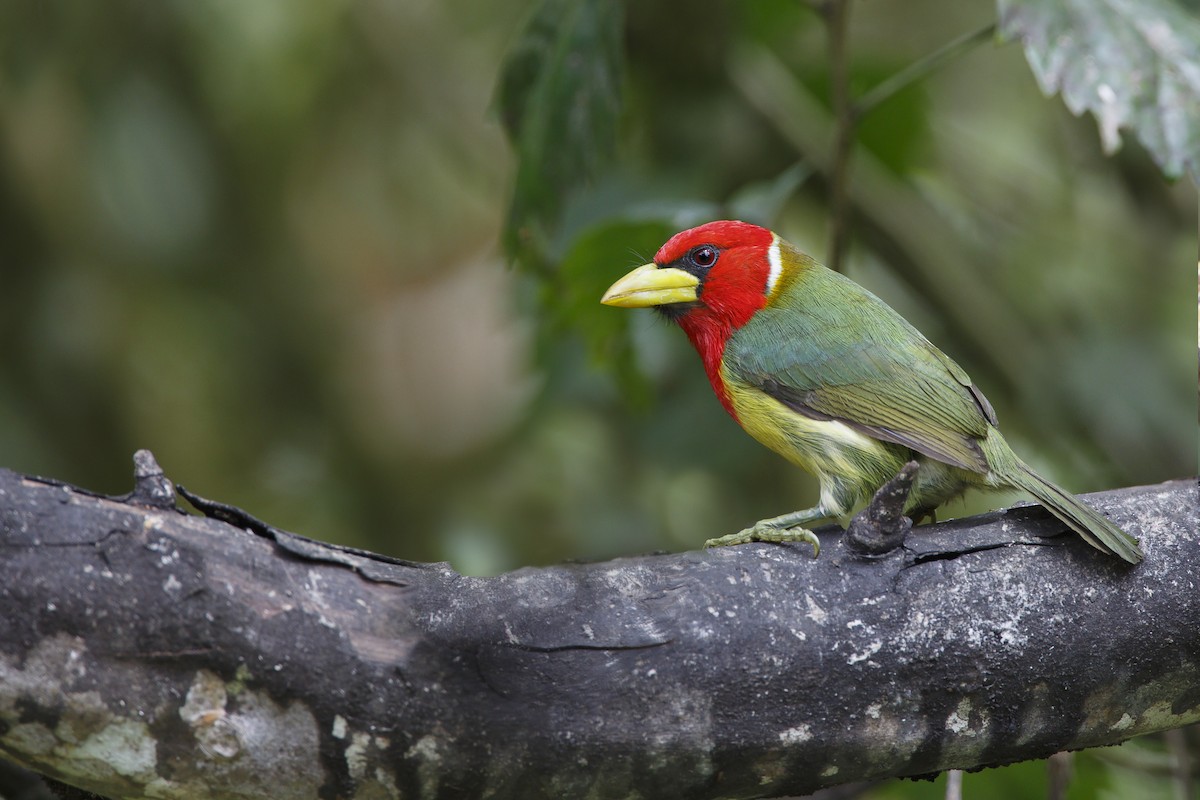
<point x="862" y="364"/>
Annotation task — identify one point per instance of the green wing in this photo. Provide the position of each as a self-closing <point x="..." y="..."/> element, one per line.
<point x="829" y="349"/>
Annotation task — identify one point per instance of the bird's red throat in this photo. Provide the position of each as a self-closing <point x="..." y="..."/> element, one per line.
<point x="726" y="305"/>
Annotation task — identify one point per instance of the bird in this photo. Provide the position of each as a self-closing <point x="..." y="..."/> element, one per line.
<point x="823" y="372"/>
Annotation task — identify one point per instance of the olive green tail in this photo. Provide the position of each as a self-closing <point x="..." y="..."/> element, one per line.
<point x="1096" y="529"/>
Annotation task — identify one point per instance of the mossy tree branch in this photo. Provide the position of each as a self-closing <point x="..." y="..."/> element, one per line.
<point x="144" y="652"/>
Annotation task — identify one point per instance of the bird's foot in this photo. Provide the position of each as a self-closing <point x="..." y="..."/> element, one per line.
<point x="765" y="531"/>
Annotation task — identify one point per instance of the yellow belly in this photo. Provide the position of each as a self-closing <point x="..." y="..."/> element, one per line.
<point x="849" y="465"/>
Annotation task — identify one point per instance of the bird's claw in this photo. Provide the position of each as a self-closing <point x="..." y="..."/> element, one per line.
<point x="764" y="532"/>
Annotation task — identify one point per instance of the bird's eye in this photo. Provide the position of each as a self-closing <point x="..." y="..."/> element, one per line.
<point x="704" y="256"/>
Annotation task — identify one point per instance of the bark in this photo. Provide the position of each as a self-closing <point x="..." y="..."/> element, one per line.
<point x="149" y="653"/>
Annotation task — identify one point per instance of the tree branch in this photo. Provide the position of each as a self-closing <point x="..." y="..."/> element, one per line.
<point x="144" y="652"/>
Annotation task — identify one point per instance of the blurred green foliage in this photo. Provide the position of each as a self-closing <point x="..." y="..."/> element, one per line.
<point x="559" y="98"/>
<point x="267" y="241"/>
<point x="262" y="241"/>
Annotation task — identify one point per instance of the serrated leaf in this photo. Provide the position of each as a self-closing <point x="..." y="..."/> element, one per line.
<point x="1132" y="63"/>
<point x="559" y="99"/>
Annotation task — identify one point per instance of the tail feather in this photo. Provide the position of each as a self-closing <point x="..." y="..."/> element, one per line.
<point x="1096" y="529"/>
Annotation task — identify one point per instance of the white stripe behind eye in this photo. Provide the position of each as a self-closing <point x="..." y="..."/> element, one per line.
<point x="776" y="265"/>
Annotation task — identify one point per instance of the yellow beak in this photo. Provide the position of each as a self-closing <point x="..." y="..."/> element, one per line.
<point x="651" y="286"/>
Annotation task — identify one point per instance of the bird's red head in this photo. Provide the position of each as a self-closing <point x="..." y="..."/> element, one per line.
<point x="710" y="280"/>
<point x="732" y="262"/>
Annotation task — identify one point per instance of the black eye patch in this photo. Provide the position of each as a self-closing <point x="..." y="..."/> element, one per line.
<point x="699" y="260"/>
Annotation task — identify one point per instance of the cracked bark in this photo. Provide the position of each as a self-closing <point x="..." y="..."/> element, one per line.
<point x="144" y="652"/>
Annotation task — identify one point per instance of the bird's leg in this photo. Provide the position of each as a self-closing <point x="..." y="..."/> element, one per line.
<point x="785" y="528"/>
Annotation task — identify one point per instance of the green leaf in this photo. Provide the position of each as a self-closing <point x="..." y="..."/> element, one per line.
<point x="596" y="258"/>
<point x="559" y="99"/>
<point x="1132" y="63"/>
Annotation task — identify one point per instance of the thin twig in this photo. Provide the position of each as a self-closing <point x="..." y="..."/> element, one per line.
<point x="847" y="113"/>
<point x="1181" y="763"/>
<point x="837" y="13"/>
<point x="1060" y="768"/>
<point x="954" y="784"/>
<point x="920" y="68"/>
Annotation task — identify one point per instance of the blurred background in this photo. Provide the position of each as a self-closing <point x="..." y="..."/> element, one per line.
<point x="264" y="242"/>
<point x="268" y="242"/>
